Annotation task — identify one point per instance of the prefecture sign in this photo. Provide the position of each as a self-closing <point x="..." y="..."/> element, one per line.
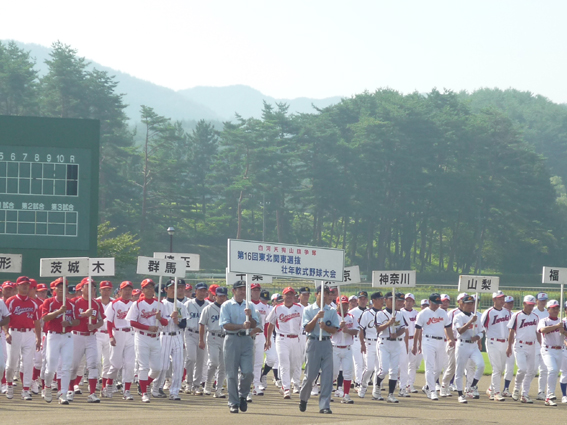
<point x="160" y="267"/>
<point x="192" y="261"/>
<point x="76" y="266"/>
<point x="285" y="260"/>
<point x="394" y="278"/>
<point x="468" y="283"/>
<point x="252" y="278"/>
<point x="101" y="266"/>
<point x="10" y="263"/>
<point x="351" y="275"/>
<point x="553" y="275"/>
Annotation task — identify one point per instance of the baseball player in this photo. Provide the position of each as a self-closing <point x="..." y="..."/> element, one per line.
<point x="494" y="321"/>
<point x="563" y="379"/>
<point x="523" y="335"/>
<point x="260" y="339"/>
<point x="409" y="363"/>
<point x="510" y="360"/>
<point x="303" y="293"/>
<point x="146" y="315"/>
<point x="24" y="336"/>
<point x="4" y="320"/>
<point x="286" y="320"/>
<point x="211" y="294"/>
<point x="121" y="338"/>
<point x="188" y="291"/>
<point x="271" y="360"/>
<point x="432" y="326"/>
<point x="541" y="312"/>
<point x="136" y="293"/>
<point x="449" y="372"/>
<point x="195" y="359"/>
<point x="59" y="320"/>
<point x="103" y="340"/>
<point x="171" y="339"/>
<point x="357" y="355"/>
<point x="342" y="341"/>
<point x="211" y="335"/>
<point x="8" y="290"/>
<point x="553" y="333"/>
<point x="368" y="338"/>
<point x="38" y="355"/>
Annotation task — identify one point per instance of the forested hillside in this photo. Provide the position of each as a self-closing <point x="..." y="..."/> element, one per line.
<point x="437" y="182"/>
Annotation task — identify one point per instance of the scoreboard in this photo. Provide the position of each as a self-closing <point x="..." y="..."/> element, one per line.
<point x="48" y="188"/>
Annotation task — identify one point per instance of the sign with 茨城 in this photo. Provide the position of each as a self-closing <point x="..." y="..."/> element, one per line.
<point x="192" y="261"/>
<point x="160" y="267"/>
<point x="469" y="283"/>
<point x="553" y="275"/>
<point x="394" y="278"/>
<point x="74" y="266"/>
<point x="252" y="278"/>
<point x="285" y="260"/>
<point x="351" y="275"/>
<point x="101" y="266"/>
<point x="10" y="263"/>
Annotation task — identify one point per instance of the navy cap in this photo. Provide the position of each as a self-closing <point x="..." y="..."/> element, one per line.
<point x="376" y="295"/>
<point x="222" y="290"/>
<point x="362" y="294"/>
<point x="265" y="295"/>
<point x="435" y="298"/>
<point x="201" y="285"/>
<point x="325" y="288"/>
<point x="304" y="290"/>
<point x="388" y="294"/>
<point x="170" y="283"/>
<point x="239" y="284"/>
<point x="400" y="296"/>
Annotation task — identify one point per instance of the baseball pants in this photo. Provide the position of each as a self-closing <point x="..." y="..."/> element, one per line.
<point x="171" y="350"/>
<point x="358" y="360"/>
<point x="465" y="351"/>
<point x="434" y="355"/>
<point x="371" y="361"/>
<point x="510" y="363"/>
<point x="563" y="379"/>
<point x="103" y="346"/>
<point x="215" y="362"/>
<point x="271" y="355"/>
<point x="296" y="377"/>
<point x="58" y="358"/>
<point x="389" y="360"/>
<point x="553" y="358"/>
<point x="319" y="358"/>
<point x="148" y="352"/>
<point x="497" y="356"/>
<point x="259" y="343"/>
<point x="403" y="370"/>
<point x="414" y="361"/>
<point x="195" y="360"/>
<point x="23" y="344"/>
<point x="122" y="356"/>
<point x="525" y="359"/>
<point x="238" y="352"/>
<point x="85" y="345"/>
<point x="542" y="371"/>
<point x="342" y="360"/>
<point x="451" y="366"/>
<point x="289" y="356"/>
<point x="2" y="354"/>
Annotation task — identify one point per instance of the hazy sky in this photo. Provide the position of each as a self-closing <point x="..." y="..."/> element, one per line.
<point x="317" y="49"/>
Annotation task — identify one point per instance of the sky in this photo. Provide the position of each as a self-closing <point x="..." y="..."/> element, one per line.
<point x="311" y="48"/>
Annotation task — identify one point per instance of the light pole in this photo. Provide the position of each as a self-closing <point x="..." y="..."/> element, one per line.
<point x="170" y="232"/>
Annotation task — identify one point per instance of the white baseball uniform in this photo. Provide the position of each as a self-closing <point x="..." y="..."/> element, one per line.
<point x="215" y="339"/>
<point x="552" y="346"/>
<point x="451" y="364"/>
<point x="540" y="364"/>
<point x="368" y="324"/>
<point x="466" y="348"/>
<point x="103" y="344"/>
<point x="259" y="341"/>
<point x="389" y="344"/>
<point x="342" y="352"/>
<point x="195" y="360"/>
<point x="410" y="362"/>
<point x="4" y="312"/>
<point x="123" y="353"/>
<point x="495" y="323"/>
<point x="357" y="356"/>
<point x="525" y="340"/>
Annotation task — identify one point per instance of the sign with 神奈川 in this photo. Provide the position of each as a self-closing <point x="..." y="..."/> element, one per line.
<point x="394" y="278"/>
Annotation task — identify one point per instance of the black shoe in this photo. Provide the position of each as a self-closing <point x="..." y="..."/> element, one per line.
<point x="243" y="404"/>
<point x="325" y="411"/>
<point x="139" y="389"/>
<point x="332" y="401"/>
<point x="162" y="393"/>
<point x="234" y="409"/>
<point x="302" y="406"/>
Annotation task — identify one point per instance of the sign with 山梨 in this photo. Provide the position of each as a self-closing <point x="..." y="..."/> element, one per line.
<point x="469" y="283"/>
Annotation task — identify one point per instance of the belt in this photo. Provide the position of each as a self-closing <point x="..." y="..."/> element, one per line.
<point x="124" y="329"/>
<point x="527" y="342"/>
<point x="151" y="335"/>
<point x="466" y="340"/>
<point x="104" y="332"/>
<point x="83" y="333"/>
<point x="392" y="339"/>
<point x="439" y="338"/>
<point x="555" y="347"/>
<point x="497" y="339"/>
<point x="57" y="333"/>
<point x="371" y="339"/>
<point x="288" y="336"/>
<point x="170" y="333"/>
<point x="342" y="346"/>
<point x="217" y="334"/>
<point x="21" y="329"/>
<point x="316" y="338"/>
<point x="239" y="333"/>
<point x="192" y="331"/>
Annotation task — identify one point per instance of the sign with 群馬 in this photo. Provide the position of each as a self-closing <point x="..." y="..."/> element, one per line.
<point x="160" y="267"/>
<point x="192" y="261"/>
<point x="469" y="283"/>
<point x="394" y="278"/>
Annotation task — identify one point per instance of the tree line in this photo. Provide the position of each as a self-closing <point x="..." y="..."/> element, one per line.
<point x="438" y="182"/>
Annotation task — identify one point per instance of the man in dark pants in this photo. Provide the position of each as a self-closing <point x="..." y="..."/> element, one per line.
<point x="238" y="350"/>
<point x="319" y="354"/>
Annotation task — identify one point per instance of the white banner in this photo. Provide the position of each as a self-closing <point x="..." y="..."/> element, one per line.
<point x="55" y="267"/>
<point x="553" y="275"/>
<point x="285" y="260"/>
<point x="10" y="263"/>
<point x="101" y="266"/>
<point x="192" y="261"/>
<point x="252" y="278"/>
<point x="160" y="267"/>
<point x="351" y="275"/>
<point x="470" y="284"/>
<point x="394" y="278"/>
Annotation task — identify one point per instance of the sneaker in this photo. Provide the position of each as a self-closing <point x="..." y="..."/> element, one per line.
<point x="219" y="394"/>
<point x="70" y="395"/>
<point x="302" y="405"/>
<point x="526" y="399"/>
<point x="411" y="389"/>
<point x="248" y="398"/>
<point x="552" y="397"/>
<point x="287" y="394"/>
<point x="491" y="397"/>
<point x="377" y="395"/>
<point x="564" y="399"/>
<point x="243" y="404"/>
<point x="468" y="392"/>
<point x="26" y="395"/>
<point x="63" y="399"/>
<point x="187" y="390"/>
<point x="233" y="408"/>
<point x="452" y="388"/>
<point x="34" y="388"/>
<point x="433" y="396"/>
<point x="550" y="402"/>
<point x="47" y="396"/>
<point x="174" y="397"/>
<point x="339" y="393"/>
<point x="475" y="392"/>
<point x="127" y="395"/>
<point x="315" y="390"/>
<point x="93" y="399"/>
<point x="489" y="391"/>
<point x="295" y="390"/>
<point x="444" y="392"/>
<point x="392" y="399"/>
<point x="516" y="394"/>
<point x="198" y="391"/>
<point x="347" y="400"/>
<point x="361" y="392"/>
<point x="206" y="391"/>
<point x="463" y="399"/>
<point x="167" y="385"/>
<point x="264" y="382"/>
<point x="106" y="392"/>
<point x="437" y="387"/>
<point x="506" y="393"/>
<point x="258" y="392"/>
<point x="426" y="392"/>
<point x="10" y="392"/>
<point x="77" y="389"/>
<point x="145" y="398"/>
<point x="498" y="397"/>
<point x="278" y="383"/>
<point x="541" y="396"/>
<point x="403" y="393"/>
<point x="156" y="394"/>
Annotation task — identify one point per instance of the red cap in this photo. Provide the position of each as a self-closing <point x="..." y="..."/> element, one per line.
<point x="136" y="292"/>
<point x="8" y="284"/>
<point x="342" y="299"/>
<point x="56" y="283"/>
<point x="33" y="283"/>
<point x="147" y="282"/>
<point x="125" y="284"/>
<point x="105" y="284"/>
<point x="79" y="286"/>
<point x="87" y="280"/>
<point x="22" y="279"/>
<point x="212" y="289"/>
<point x="188" y="287"/>
<point x="255" y="286"/>
<point x="41" y="287"/>
<point x="287" y="290"/>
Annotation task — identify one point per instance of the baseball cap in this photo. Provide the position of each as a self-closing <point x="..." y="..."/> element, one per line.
<point x="8" y="284"/>
<point x="353" y="297"/>
<point x="180" y="281"/>
<point x="410" y="295"/>
<point x="529" y="299"/>
<point x="362" y="294"/>
<point x="325" y="288"/>
<point x="188" y="287"/>
<point x="552" y="303"/>
<point x="237" y="284"/>
<point x="255" y="286"/>
<point x="388" y="294"/>
<point x="41" y="287"/>
<point x="33" y="283"/>
<point x="275" y="296"/>
<point x="125" y="284"/>
<point x="22" y="280"/>
<point x="56" y="283"/>
<point x="201" y="285"/>
<point x="280" y="298"/>
<point x="79" y="286"/>
<point x="376" y="295"/>
<point x="468" y="299"/>
<point x="169" y="283"/>
<point x="87" y="280"/>
<point x="221" y="290"/>
<point x="212" y="288"/>
<point x="400" y="296"/>
<point x="105" y="284"/>
<point x="425" y="301"/>
<point x="445" y="297"/>
<point x="147" y="282"/>
<point x="342" y="299"/>
<point x="304" y="289"/>
<point x="136" y="292"/>
<point x="461" y="296"/>
<point x="509" y="299"/>
<point x="498" y="294"/>
<point x="542" y="296"/>
<point x="288" y="290"/>
<point x="435" y="298"/>
<point x="265" y="295"/>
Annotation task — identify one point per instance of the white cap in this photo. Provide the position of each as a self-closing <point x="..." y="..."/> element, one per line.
<point x="498" y="294"/>
<point x="425" y="301"/>
<point x="353" y="297"/>
<point x="552" y="303"/>
<point x="542" y="296"/>
<point x="509" y="299"/>
<point x="529" y="299"/>
<point x="408" y="295"/>
<point x="275" y="296"/>
<point x="461" y="296"/>
<point x="445" y="297"/>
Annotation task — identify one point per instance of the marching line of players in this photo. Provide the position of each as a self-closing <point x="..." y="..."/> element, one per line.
<point x="178" y="344"/>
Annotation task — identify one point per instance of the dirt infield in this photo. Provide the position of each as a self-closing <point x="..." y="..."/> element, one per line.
<point x="272" y="409"/>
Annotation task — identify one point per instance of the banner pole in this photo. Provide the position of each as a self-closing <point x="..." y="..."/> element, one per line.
<point x="322" y="306"/>
<point x="64" y="300"/>
<point x="247" y="301"/>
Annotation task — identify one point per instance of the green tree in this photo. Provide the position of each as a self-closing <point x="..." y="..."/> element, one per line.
<point x="18" y="81"/>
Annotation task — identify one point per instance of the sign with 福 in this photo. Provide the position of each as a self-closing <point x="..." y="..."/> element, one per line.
<point x="394" y="278"/>
<point x="101" y="266"/>
<point x="160" y="267"/>
<point x="252" y="278"/>
<point x="469" y="283"/>
<point x="10" y="263"/>
<point x="192" y="261"/>
<point x="553" y="275"/>
<point x="351" y="275"/>
<point x="285" y="260"/>
<point x="71" y="266"/>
